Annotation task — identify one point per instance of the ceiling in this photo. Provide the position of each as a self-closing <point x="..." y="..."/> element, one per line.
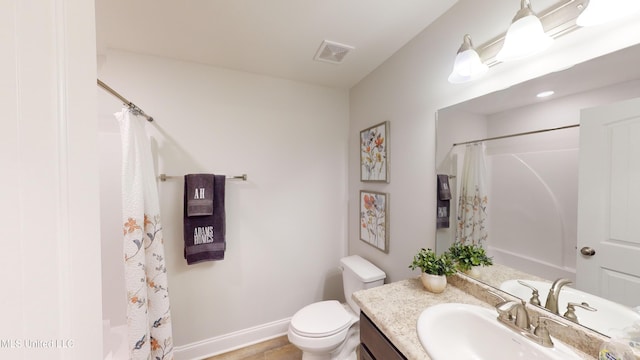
<point x="271" y="37"/>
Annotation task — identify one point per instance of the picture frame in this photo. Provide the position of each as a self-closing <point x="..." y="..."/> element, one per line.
<point x="374" y="153"/>
<point x="374" y="219"/>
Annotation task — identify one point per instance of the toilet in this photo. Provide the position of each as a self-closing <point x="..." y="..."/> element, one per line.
<point x="329" y="330"/>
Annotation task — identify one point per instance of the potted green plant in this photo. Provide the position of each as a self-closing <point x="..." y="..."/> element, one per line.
<point x="469" y="257"/>
<point x="435" y="269"/>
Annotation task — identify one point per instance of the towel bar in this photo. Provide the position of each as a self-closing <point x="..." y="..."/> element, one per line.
<point x="165" y="177"/>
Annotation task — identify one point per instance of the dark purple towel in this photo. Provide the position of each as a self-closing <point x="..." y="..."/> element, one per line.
<point x="444" y="192"/>
<point x="199" y="194"/>
<point x="204" y="236"/>
<point x="442" y="215"/>
<point x="443" y="205"/>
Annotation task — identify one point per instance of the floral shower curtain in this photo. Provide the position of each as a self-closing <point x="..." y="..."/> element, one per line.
<point x="472" y="203"/>
<point x="148" y="314"/>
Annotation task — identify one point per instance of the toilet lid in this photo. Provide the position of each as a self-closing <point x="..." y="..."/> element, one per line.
<point x="321" y="319"/>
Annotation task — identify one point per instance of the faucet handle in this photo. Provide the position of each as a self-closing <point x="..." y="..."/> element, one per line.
<point x="571" y="310"/>
<point x="502" y="315"/>
<point x="535" y="299"/>
<point x="542" y="332"/>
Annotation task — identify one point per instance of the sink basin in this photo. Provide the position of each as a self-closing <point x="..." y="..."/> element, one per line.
<point x="462" y="332"/>
<point x="610" y="317"/>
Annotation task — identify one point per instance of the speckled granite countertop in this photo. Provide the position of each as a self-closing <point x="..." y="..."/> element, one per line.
<point x="497" y="274"/>
<point x="395" y="309"/>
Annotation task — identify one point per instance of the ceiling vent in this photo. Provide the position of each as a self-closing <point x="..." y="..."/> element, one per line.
<point x="332" y="52"/>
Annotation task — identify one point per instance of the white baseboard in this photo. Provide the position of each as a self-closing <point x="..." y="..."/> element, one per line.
<point x="232" y="341"/>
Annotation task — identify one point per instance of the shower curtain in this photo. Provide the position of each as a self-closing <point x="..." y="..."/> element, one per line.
<point x="472" y="203"/>
<point x="148" y="314"/>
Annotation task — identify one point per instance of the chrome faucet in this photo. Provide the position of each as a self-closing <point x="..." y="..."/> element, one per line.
<point x="554" y="293"/>
<point x="514" y="315"/>
<point x="517" y="311"/>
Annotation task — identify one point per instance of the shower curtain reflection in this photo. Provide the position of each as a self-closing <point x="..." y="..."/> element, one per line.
<point x="530" y="221"/>
<point x="472" y="201"/>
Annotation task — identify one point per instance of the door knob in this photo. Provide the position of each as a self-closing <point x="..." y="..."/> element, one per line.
<point x="587" y="251"/>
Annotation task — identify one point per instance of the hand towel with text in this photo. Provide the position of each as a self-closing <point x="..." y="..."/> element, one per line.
<point x="443" y="202"/>
<point x="204" y="217"/>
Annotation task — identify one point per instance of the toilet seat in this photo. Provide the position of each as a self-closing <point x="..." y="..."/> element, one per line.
<point x="321" y="319"/>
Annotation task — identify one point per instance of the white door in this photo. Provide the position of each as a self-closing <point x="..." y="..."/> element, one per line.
<point x="609" y="202"/>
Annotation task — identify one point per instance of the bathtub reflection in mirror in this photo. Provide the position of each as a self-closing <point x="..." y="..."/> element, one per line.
<point x="533" y="178"/>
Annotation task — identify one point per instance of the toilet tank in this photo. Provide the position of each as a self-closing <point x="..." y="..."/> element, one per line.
<point x="359" y="274"/>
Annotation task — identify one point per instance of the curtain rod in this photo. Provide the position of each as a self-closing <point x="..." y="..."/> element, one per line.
<point x="131" y="105"/>
<point x="518" y="134"/>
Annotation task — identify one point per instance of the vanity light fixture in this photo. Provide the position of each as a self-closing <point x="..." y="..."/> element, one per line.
<point x="602" y="11"/>
<point x="467" y="65"/>
<point x="530" y="33"/>
<point x="525" y="36"/>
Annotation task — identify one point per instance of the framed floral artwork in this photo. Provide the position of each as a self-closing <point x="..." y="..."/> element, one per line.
<point x="374" y="153"/>
<point x="374" y="219"/>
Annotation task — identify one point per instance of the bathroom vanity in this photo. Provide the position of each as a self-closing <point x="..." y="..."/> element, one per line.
<point x="390" y="314"/>
<point x="374" y="345"/>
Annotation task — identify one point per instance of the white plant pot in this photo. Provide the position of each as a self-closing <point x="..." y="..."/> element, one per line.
<point x="474" y="272"/>
<point x="434" y="283"/>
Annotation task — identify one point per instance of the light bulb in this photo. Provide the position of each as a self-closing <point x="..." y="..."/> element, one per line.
<point x="468" y="65"/>
<point x="524" y="38"/>
<point x="603" y="11"/>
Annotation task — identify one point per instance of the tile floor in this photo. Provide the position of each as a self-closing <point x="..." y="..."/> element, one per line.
<point x="274" y="349"/>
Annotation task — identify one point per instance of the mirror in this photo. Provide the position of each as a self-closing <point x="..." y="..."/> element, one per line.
<point x="532" y="179"/>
